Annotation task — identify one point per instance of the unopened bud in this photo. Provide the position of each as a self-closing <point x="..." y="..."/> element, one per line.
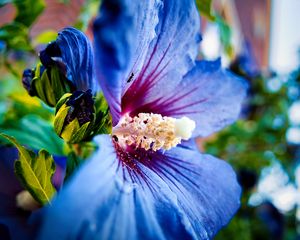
<point x="75" y="116"/>
<point x="27" y="78"/>
<point x="48" y="84"/>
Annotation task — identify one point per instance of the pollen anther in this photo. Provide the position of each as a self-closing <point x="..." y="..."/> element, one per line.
<point x="153" y="131"/>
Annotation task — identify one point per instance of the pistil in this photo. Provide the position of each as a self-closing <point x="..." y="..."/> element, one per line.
<point x="152" y="131"/>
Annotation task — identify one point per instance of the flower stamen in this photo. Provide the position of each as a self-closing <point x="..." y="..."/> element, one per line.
<point x="152" y="131"/>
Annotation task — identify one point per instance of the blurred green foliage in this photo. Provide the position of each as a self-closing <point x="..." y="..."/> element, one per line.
<point x="206" y="10"/>
<point x="45" y="37"/>
<point x="30" y="123"/>
<point x="89" y="9"/>
<point x="256" y="141"/>
<point x="253" y="143"/>
<point x="28" y="11"/>
<point x="15" y="34"/>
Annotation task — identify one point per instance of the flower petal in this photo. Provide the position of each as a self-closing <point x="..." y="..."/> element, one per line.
<point x="206" y="187"/>
<point x="122" y="33"/>
<point x="209" y="95"/>
<point x="170" y="56"/>
<point x="192" y="196"/>
<point x="72" y="52"/>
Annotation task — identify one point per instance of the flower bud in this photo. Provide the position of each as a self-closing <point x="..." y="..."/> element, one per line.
<point x="67" y="66"/>
<point x="75" y="116"/>
<point x="47" y="84"/>
<point x="27" y="78"/>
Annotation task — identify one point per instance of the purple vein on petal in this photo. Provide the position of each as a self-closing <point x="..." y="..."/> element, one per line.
<point x="139" y="88"/>
<point x="174" y="111"/>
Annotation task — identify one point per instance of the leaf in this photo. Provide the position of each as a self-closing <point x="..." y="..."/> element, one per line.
<point x="43" y="88"/>
<point x="204" y="6"/>
<point x="62" y="101"/>
<point x="80" y="134"/>
<point x="60" y="117"/>
<point x="35" y="133"/>
<point x="225" y="35"/>
<point x="45" y="37"/>
<point x="59" y="83"/>
<point x="74" y="133"/>
<point x="50" y="85"/>
<point x="28" y="11"/>
<point x="103" y="124"/>
<point x="15" y="35"/>
<point x="35" y="172"/>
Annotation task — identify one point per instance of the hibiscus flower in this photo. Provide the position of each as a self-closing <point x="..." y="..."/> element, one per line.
<point x="147" y="180"/>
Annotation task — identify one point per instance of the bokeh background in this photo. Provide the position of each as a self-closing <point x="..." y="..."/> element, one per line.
<point x="257" y="39"/>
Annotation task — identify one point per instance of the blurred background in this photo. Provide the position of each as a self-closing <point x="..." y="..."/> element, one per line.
<point x="257" y="39"/>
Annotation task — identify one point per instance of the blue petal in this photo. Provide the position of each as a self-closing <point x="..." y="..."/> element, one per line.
<point x="206" y="187"/>
<point x="72" y="52"/>
<point x="181" y="194"/>
<point x="209" y="95"/>
<point x="122" y="33"/>
<point x="140" y="44"/>
<point x="170" y="56"/>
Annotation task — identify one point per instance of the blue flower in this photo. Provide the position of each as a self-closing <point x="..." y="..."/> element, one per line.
<point x="146" y="181"/>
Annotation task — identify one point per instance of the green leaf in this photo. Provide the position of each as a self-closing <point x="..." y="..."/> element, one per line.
<point x="59" y="83"/>
<point x="70" y="129"/>
<point x="80" y="134"/>
<point x="74" y="133"/>
<point x="60" y="119"/>
<point x="50" y="86"/>
<point x="103" y="124"/>
<point x="204" y="6"/>
<point x="225" y="35"/>
<point x="205" y="9"/>
<point x="45" y="37"/>
<point x="35" y="172"/>
<point x="62" y="101"/>
<point x="28" y="11"/>
<point x="35" y="133"/>
<point x="16" y="36"/>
